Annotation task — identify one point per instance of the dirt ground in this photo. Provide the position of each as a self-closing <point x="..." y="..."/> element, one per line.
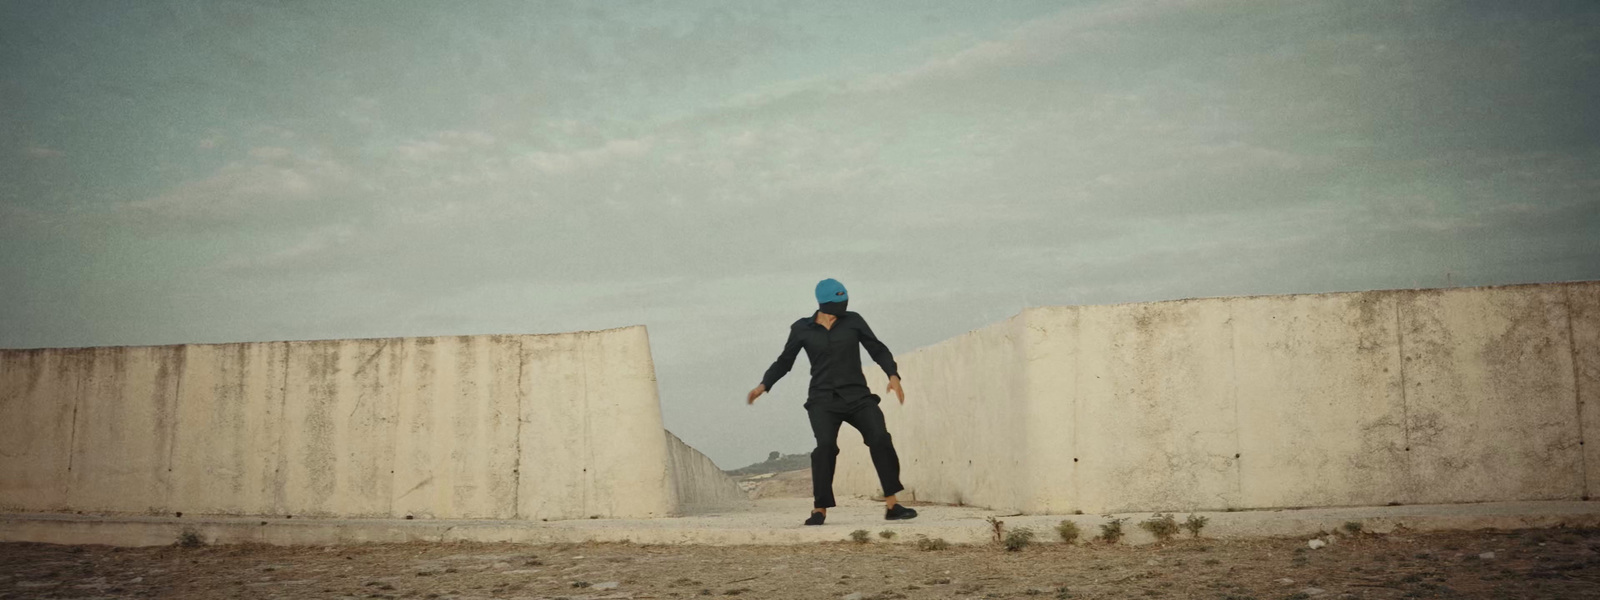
<point x="1524" y="564"/>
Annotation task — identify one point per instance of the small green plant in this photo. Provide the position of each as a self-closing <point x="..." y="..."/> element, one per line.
<point x="1194" y="524"/>
<point x="1068" y="531"/>
<point x="886" y="534"/>
<point x="927" y="544"/>
<point x="1018" y="538"/>
<point x="1163" y="526"/>
<point x="860" y="536"/>
<point x="190" y="539"/>
<point x="1111" y="531"/>
<point x="1352" y="527"/>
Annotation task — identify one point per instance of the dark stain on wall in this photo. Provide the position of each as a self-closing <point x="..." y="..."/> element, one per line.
<point x="318" y="460"/>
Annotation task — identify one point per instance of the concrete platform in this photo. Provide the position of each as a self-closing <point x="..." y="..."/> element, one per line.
<point x="771" y="522"/>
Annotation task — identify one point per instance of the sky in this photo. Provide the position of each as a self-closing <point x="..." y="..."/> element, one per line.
<point x="214" y="171"/>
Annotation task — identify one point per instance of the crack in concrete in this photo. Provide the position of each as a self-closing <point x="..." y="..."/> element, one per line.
<point x="588" y="438"/>
<point x="1577" y="392"/>
<point x="1405" y="405"/>
<point x="374" y="356"/>
<point x="1233" y="366"/>
<point x="280" y="492"/>
<point x="72" y="439"/>
<point x="364" y="364"/>
<point x="416" y="487"/>
<point x="177" y="399"/>
<point x="1077" y="399"/>
<point x="516" y="459"/>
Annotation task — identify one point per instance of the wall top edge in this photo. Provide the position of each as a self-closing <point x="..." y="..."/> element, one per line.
<point x="1024" y="313"/>
<point x="329" y="340"/>
<point x="1006" y="326"/>
<point x="1510" y="286"/>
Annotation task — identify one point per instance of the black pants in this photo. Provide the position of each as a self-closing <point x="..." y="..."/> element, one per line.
<point x="866" y="418"/>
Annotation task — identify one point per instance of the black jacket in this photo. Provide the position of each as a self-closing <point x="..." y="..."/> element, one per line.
<point x="835" y="358"/>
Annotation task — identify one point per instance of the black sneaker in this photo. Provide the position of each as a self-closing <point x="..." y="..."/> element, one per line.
<point x="900" y="512"/>
<point x="816" y="518"/>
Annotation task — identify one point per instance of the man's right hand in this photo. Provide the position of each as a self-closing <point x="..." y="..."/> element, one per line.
<point x="755" y="393"/>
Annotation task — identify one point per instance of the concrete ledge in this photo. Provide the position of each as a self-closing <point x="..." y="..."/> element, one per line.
<point x="770" y="522"/>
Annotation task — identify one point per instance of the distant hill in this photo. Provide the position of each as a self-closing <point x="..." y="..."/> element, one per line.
<point x="775" y="463"/>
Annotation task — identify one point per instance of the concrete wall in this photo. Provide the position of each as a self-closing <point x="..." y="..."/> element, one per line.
<point x="1410" y="396"/>
<point x="975" y="380"/>
<point x="498" y="426"/>
<point x="698" y="484"/>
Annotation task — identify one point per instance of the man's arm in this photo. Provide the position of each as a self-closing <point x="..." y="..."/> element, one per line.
<point x="780" y="367"/>
<point x="880" y="353"/>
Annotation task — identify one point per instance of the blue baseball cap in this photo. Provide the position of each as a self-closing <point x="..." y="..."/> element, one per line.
<point x="830" y="290"/>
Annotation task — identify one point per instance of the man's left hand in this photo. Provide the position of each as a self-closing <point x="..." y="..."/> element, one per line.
<point x="894" y="386"/>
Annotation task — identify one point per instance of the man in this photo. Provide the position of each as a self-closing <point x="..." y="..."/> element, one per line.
<point x="839" y="394"/>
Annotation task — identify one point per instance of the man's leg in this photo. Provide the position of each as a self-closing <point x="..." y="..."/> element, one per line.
<point x="825" y="426"/>
<point x="869" y="421"/>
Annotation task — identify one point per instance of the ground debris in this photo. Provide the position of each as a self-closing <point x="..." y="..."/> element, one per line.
<point x="1371" y="565"/>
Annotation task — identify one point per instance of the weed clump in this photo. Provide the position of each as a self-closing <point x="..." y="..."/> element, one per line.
<point x="1068" y="531"/>
<point x="1352" y="527"/>
<point x="927" y="544"/>
<point x="999" y="528"/>
<point x="860" y="536"/>
<point x="1017" y="539"/>
<point x="886" y="534"/>
<point x="1194" y="524"/>
<point x="1111" y="531"/>
<point x="1163" y="526"/>
<point x="190" y="539"/>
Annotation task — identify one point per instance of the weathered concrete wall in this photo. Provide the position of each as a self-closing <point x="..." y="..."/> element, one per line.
<point x="699" y="486"/>
<point x="1410" y="396"/>
<point x="975" y="380"/>
<point x="501" y="426"/>
<point x="1492" y="411"/>
<point x="1320" y="408"/>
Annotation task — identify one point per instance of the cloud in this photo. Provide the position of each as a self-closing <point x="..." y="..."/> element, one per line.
<point x="591" y="158"/>
<point x="43" y="152"/>
<point x="20" y="218"/>
<point x="467" y="138"/>
<point x="445" y="143"/>
<point x="311" y="247"/>
<point x="275" y="185"/>
<point x="1039" y="41"/>
<point x="422" y="150"/>
<point x="270" y="153"/>
<point x="213" y="138"/>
